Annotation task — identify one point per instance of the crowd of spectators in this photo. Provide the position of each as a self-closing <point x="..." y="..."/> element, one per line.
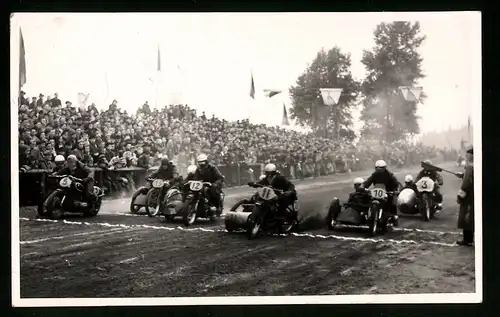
<point x="119" y="139"/>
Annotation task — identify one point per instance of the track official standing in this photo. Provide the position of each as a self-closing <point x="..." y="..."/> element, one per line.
<point x="465" y="199"/>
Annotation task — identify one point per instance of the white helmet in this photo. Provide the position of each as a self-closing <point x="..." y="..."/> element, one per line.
<point x="72" y="157"/>
<point x="358" y="180"/>
<point x="192" y="169"/>
<point x="380" y="163"/>
<point x="201" y="158"/>
<point x="408" y="178"/>
<point x="261" y="177"/>
<point x="59" y="159"/>
<point x="270" y="168"/>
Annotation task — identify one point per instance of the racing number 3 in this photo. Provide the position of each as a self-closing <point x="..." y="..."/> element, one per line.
<point x="423" y="184"/>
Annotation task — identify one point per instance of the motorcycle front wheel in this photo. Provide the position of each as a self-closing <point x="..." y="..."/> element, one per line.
<point x="55" y="210"/>
<point x="254" y="223"/>
<point x="152" y="205"/>
<point x="189" y="216"/>
<point x="427" y="207"/>
<point x="374" y="223"/>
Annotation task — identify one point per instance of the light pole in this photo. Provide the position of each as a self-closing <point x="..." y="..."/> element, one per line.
<point x="411" y="94"/>
<point x="331" y="97"/>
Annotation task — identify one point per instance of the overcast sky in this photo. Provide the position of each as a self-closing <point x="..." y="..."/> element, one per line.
<point x="207" y="59"/>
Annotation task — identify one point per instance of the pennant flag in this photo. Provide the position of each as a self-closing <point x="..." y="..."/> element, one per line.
<point x="252" y="89"/>
<point x="270" y="93"/>
<point x="22" y="61"/>
<point x="159" y="60"/>
<point x="330" y="95"/>
<point x="83" y="100"/>
<point x="285" y="116"/>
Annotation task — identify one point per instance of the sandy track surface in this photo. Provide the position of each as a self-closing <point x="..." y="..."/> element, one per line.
<point x="120" y="255"/>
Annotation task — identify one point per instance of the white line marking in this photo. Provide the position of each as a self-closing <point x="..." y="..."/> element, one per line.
<point x="67" y="236"/>
<point x="407" y="230"/>
<point x="314" y="236"/>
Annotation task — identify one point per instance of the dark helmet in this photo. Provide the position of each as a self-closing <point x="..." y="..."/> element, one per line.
<point x="165" y="161"/>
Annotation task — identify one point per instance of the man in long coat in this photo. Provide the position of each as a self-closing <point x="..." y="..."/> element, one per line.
<point x="466" y="200"/>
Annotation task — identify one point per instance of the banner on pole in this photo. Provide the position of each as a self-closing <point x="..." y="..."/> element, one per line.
<point x="330" y="95"/>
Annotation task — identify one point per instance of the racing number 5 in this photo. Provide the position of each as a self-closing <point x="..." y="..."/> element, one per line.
<point x="423" y="184"/>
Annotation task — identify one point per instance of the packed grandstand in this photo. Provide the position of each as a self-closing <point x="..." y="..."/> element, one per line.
<point x="48" y="128"/>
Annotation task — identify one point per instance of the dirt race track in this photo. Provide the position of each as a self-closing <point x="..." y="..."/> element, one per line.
<point x="117" y="254"/>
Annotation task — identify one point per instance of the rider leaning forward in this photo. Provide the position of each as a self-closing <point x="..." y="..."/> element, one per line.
<point x="277" y="181"/>
<point x="430" y="172"/>
<point x="77" y="169"/>
<point x="206" y="172"/>
<point x="167" y="172"/>
<point x="384" y="177"/>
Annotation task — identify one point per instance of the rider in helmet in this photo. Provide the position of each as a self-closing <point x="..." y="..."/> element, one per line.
<point x="59" y="161"/>
<point x="167" y="172"/>
<point x="359" y="200"/>
<point x="276" y="180"/>
<point x="430" y="172"/>
<point x="409" y="183"/>
<point x="207" y="172"/>
<point x="384" y="177"/>
<point x="77" y="169"/>
<point x="250" y="200"/>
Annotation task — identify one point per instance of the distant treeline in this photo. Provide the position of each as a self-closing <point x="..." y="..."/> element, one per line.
<point x="450" y="138"/>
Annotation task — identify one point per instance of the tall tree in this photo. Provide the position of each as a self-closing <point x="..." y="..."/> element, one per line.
<point x="393" y="62"/>
<point x="328" y="70"/>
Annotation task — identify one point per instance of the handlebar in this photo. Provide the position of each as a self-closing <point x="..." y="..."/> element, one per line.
<point x="260" y="186"/>
<point x="69" y="176"/>
<point x="204" y="183"/>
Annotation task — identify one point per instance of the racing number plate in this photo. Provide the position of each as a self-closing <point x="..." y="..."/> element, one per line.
<point x="195" y="186"/>
<point x="65" y="182"/>
<point x="266" y="193"/>
<point x="425" y="184"/>
<point x="378" y="193"/>
<point x="157" y="183"/>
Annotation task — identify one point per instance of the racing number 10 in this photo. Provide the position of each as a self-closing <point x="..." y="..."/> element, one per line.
<point x="378" y="193"/>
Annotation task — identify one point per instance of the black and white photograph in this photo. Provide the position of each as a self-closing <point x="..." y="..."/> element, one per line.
<point x="245" y="158"/>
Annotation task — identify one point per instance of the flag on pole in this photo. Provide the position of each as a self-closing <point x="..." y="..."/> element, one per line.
<point x="22" y="61"/>
<point x="159" y="59"/>
<point x="252" y="88"/>
<point x="270" y="93"/>
<point x="285" y="116"/>
<point x="83" y="100"/>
